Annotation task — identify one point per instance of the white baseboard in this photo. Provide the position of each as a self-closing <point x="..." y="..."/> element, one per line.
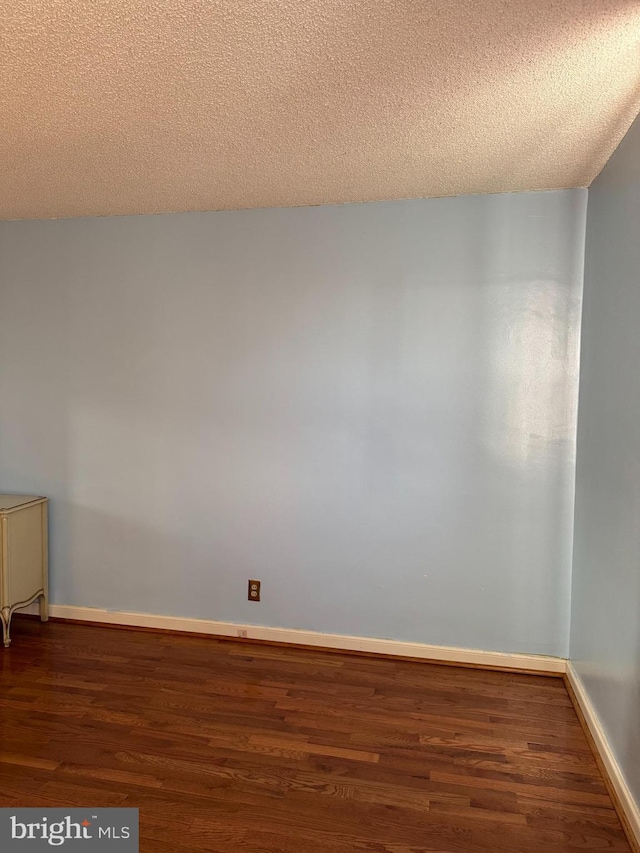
<point x="625" y="797"/>
<point x="527" y="663"/>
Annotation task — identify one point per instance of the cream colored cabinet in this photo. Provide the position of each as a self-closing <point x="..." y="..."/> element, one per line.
<point x="23" y="556"/>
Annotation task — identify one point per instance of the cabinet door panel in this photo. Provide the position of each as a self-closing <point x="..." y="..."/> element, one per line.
<point x="24" y="553"/>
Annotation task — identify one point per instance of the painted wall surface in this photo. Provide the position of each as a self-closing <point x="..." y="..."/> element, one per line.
<point x="605" y="631"/>
<point x="370" y="408"/>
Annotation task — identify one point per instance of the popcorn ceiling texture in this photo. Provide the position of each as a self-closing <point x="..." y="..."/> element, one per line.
<point x="144" y="106"/>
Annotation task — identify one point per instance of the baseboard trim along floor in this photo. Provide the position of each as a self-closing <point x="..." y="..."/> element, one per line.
<point x="627" y="808"/>
<point x="341" y="642"/>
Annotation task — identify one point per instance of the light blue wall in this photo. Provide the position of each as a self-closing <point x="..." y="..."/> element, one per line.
<point x="605" y="632"/>
<point x="371" y="408"/>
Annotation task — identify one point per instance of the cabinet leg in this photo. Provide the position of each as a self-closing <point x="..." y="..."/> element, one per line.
<point x="44" y="607"/>
<point x="5" y="618"/>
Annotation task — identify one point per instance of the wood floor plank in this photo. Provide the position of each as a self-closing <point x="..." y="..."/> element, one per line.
<point x="242" y="747"/>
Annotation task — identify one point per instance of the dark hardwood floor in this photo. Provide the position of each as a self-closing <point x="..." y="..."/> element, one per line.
<point x="245" y="748"/>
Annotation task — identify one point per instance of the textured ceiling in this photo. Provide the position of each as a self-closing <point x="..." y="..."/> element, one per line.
<point x="139" y="106"/>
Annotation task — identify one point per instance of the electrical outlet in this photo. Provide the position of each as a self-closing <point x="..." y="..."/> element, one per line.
<point x="242" y="632"/>
<point x="254" y="591"/>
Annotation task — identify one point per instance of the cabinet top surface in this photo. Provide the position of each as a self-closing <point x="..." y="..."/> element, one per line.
<point x="13" y="501"/>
